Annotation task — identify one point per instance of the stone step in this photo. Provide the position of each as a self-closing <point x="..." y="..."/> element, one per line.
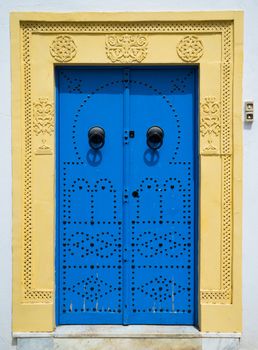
<point x="188" y="343"/>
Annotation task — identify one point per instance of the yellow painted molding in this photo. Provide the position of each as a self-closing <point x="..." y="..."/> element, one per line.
<point x="211" y="40"/>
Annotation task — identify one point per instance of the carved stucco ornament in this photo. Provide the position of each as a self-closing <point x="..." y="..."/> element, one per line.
<point x="36" y="297"/>
<point x="63" y="48"/>
<point x="43" y="123"/>
<point x="190" y="48"/>
<point x="210" y="123"/>
<point x="126" y="48"/>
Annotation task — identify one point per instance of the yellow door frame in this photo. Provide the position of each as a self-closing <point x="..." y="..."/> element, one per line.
<point x="212" y="40"/>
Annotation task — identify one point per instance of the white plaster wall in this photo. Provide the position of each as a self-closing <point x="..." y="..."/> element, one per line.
<point x="250" y="91"/>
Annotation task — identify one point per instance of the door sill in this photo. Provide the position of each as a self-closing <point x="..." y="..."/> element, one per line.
<point x="132" y="331"/>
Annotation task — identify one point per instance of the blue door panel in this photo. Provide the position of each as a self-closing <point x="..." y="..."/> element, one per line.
<point x="126" y="215"/>
<point x="161" y="235"/>
<point x="90" y="197"/>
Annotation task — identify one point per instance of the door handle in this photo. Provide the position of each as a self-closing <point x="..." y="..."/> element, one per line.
<point x="96" y="137"/>
<point x="155" y="136"/>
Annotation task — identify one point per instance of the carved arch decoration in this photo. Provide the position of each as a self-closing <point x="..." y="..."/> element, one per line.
<point x="211" y="40"/>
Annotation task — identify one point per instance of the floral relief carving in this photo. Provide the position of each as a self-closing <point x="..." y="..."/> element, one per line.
<point x="210" y="122"/>
<point x="63" y="48"/>
<point x="190" y="48"/>
<point x="126" y="48"/>
<point x="43" y="123"/>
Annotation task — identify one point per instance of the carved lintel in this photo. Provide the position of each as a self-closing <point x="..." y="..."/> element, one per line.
<point x="126" y="48"/>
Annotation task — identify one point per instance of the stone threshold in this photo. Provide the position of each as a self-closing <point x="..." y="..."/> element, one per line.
<point x="132" y="331"/>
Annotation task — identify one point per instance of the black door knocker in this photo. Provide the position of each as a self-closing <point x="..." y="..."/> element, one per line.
<point x="96" y="137"/>
<point x="155" y="136"/>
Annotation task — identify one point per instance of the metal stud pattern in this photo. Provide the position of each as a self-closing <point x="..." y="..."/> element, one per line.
<point x="126" y="214"/>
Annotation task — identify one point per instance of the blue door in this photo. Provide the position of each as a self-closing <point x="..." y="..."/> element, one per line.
<point x="126" y="195"/>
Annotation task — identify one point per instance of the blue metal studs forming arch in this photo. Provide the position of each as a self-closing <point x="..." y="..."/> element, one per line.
<point x="126" y="199"/>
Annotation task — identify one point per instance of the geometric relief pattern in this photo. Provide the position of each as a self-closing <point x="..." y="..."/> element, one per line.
<point x="63" y="48"/>
<point x="31" y="294"/>
<point x="224" y="294"/>
<point x="190" y="48"/>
